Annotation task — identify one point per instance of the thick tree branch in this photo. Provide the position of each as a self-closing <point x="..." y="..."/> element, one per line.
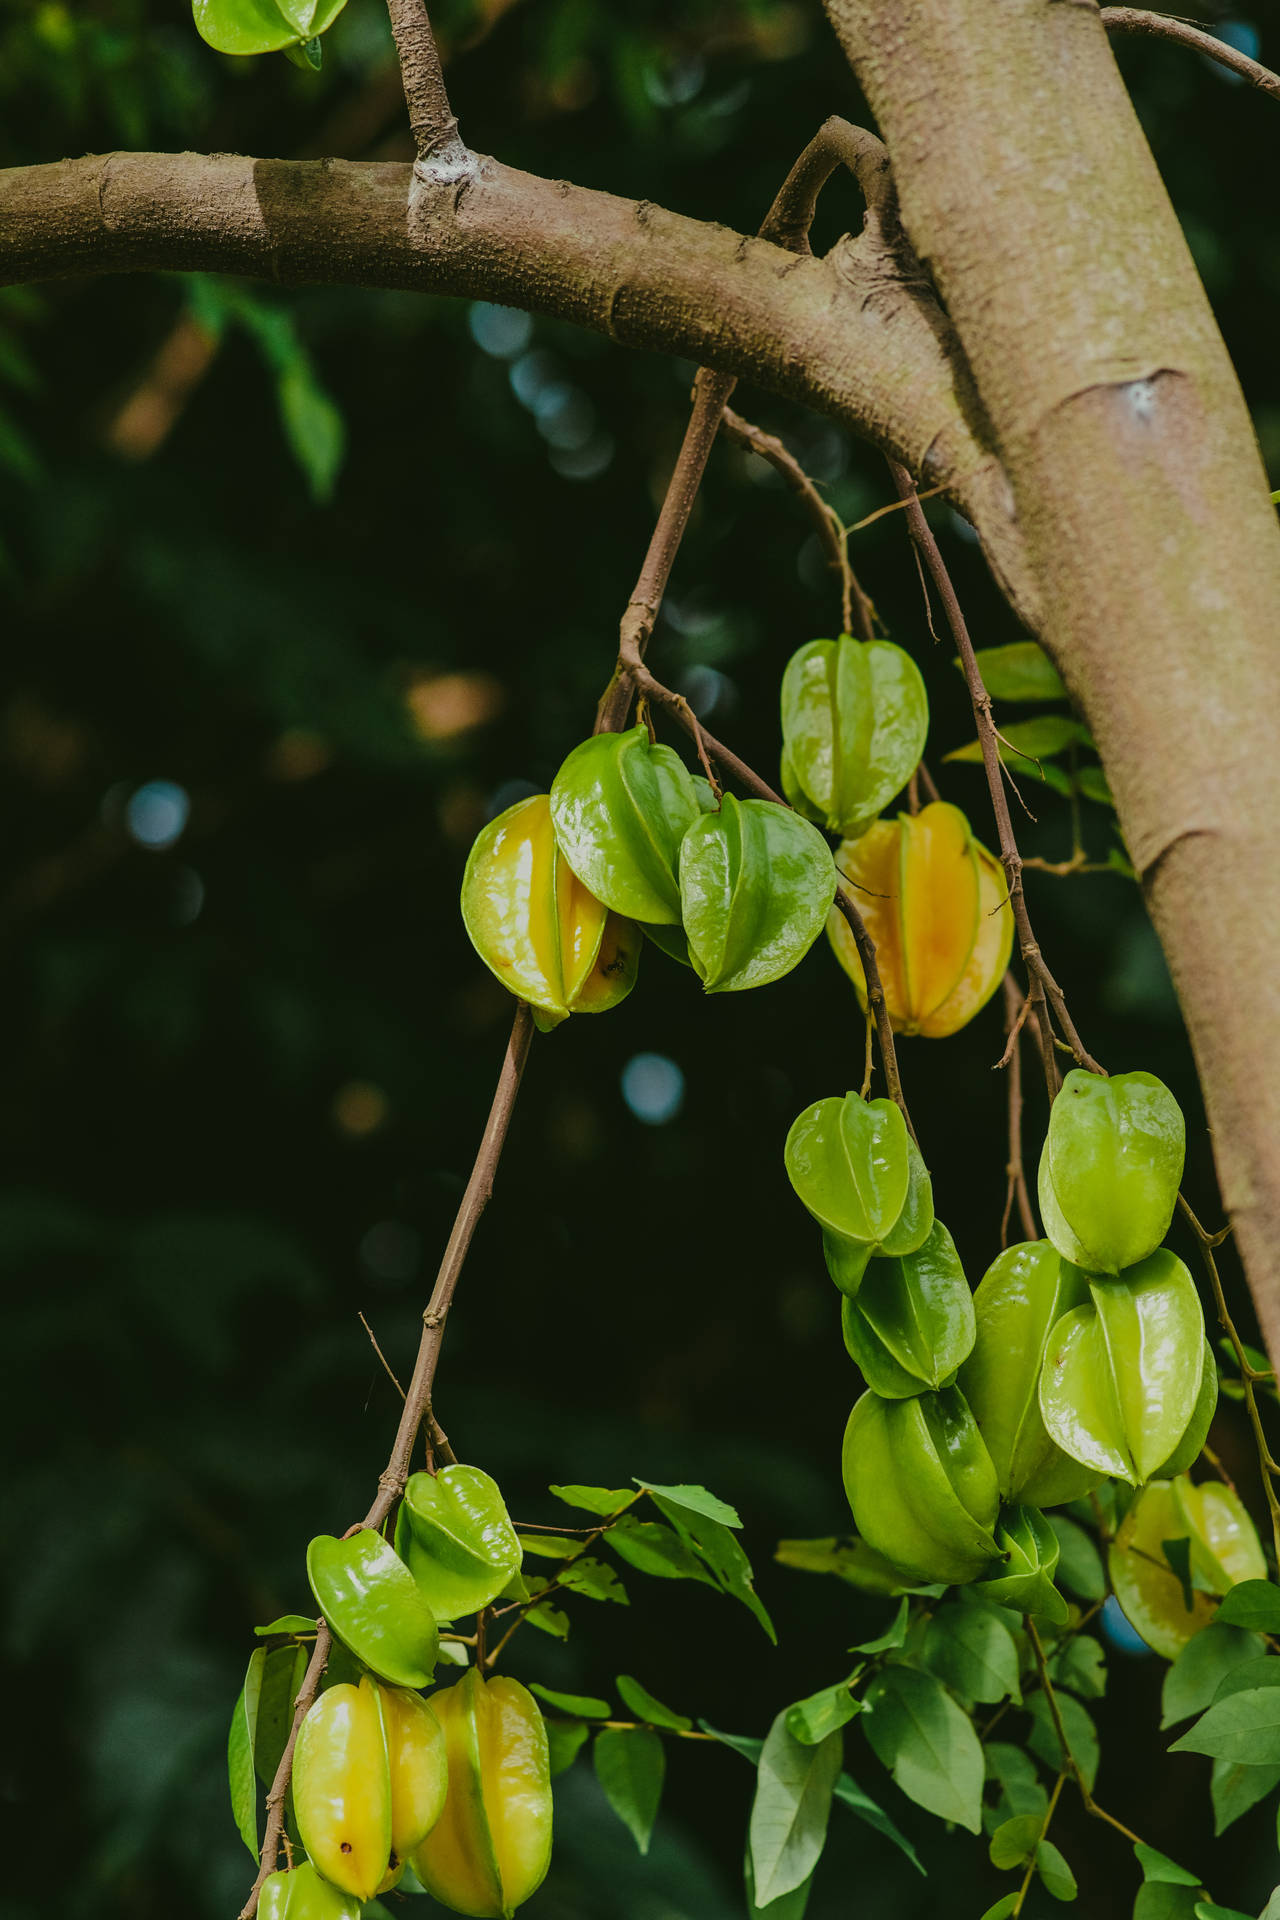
<point x="1161" y="26"/>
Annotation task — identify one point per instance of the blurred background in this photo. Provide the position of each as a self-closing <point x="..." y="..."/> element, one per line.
<point x="301" y="586"/>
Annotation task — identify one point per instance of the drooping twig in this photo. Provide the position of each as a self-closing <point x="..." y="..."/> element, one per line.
<point x="434" y="123"/>
<point x="1249" y="1374"/>
<point x="1043" y="986"/>
<point x="1015" y="1013"/>
<point x="1069" y="1760"/>
<point x="1161" y="26"/>
<point x="417" y="1405"/>
<point x="857" y="611"/>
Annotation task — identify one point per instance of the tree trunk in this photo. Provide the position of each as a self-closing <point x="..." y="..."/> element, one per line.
<point x="1027" y="188"/>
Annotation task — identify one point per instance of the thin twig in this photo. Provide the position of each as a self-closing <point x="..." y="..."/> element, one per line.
<point x="1015" y="1010"/>
<point x="1068" y="1758"/>
<point x="434" y="123"/>
<point x="1043" y="985"/>
<point x="373" y="1339"/>
<point x="1161" y="26"/>
<point x="1249" y="1374"/>
<point x="857" y="610"/>
<point x="1054" y="1797"/>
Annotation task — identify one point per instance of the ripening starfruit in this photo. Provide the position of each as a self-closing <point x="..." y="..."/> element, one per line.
<point x="535" y="925"/>
<point x="455" y="1536"/>
<point x="1110" y="1169"/>
<point x="921" y="1485"/>
<point x="1029" y="1549"/>
<point x="302" y="1894"/>
<point x="858" y="1171"/>
<point x="620" y="806"/>
<point x="936" y="904"/>
<point x="369" y="1782"/>
<point x="756" y="881"/>
<point x="1224" y="1550"/>
<point x="492" y="1846"/>
<point x="854" y="719"/>
<point x="1123" y="1372"/>
<point x="910" y="1324"/>
<point x="1018" y="1302"/>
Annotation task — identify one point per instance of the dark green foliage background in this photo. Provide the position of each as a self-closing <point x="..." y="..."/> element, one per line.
<point x="186" y="1232"/>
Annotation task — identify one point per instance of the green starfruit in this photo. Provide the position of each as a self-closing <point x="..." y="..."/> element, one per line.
<point x="756" y="882"/>
<point x="534" y="924"/>
<point x="921" y="1485"/>
<point x="621" y="806"/>
<point x="858" y="1171"/>
<point x="854" y="719"/>
<point x="456" y="1538"/>
<point x="1110" y="1169"/>
<point x="262" y="26"/>
<point x="1123" y="1372"/>
<point x="302" y="1894"/>
<point x="911" y="1322"/>
<point x="1018" y="1302"/>
<point x="936" y="904"/>
<point x="1191" y="1445"/>
<point x="492" y="1846"/>
<point x="1029" y="1548"/>
<point x="372" y="1602"/>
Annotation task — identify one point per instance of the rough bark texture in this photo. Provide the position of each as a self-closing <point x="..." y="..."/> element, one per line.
<point x="1029" y="191"/>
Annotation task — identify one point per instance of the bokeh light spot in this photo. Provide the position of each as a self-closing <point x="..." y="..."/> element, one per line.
<point x="503" y="332"/>
<point x="653" y="1088"/>
<point x="359" y="1109"/>
<point x="156" y="815"/>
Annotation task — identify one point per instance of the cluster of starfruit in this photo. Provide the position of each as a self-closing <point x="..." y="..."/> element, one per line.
<point x="558" y="887"/>
<point x="1080" y="1357"/>
<point x="854" y="720"/>
<point x="455" y="1785"/>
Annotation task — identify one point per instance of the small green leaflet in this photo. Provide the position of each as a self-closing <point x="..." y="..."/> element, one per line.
<point x="969" y="1647"/>
<point x="652" y="1548"/>
<point x="1272" y="1909"/>
<point x="1243" y="1727"/>
<point x="1195" y="1676"/>
<point x="1081" y="1666"/>
<point x="790" y="1907"/>
<point x="892" y="1637"/>
<point x="645" y="1707"/>
<point x="1014" y="1842"/>
<point x="1056" y="1876"/>
<point x="630" y="1767"/>
<point x="1019" y="1783"/>
<point x="580" y="1705"/>
<point x="1235" y="1788"/>
<point x="1178" y="1554"/>
<point x="602" y="1500"/>
<point x="288" y="1623"/>
<point x="1079" y="1563"/>
<point x="693" y="1500"/>
<point x="565" y="1740"/>
<point x="722" y="1553"/>
<point x="549" y="1619"/>
<point x="1158" y="1866"/>
<point x="593" y="1579"/>
<point x="850" y="1560"/>
<point x="1081" y="1735"/>
<point x="1021" y="671"/>
<point x="1210" y="1910"/>
<point x="872" y="1814"/>
<point x="241" y="1774"/>
<point x="811" y="1720"/>
<point x="1254" y="1604"/>
<point x="453" y="1652"/>
<point x="282" y="1673"/>
<point x="1002" y="1908"/>
<point x="789" y="1815"/>
<point x="1159" y="1900"/>
<point x="919" y="1733"/>
<point x="549" y="1546"/>
<point x="744" y="1743"/>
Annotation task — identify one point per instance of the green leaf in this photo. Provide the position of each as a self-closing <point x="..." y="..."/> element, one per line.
<point x="1243" y="1727"/>
<point x="744" y="1743"/>
<point x="1254" y="1604"/>
<point x="1199" y="1670"/>
<point x="455" y="1536"/>
<point x="630" y="1768"/>
<point x="652" y="1548"/>
<point x="694" y="1500"/>
<point x="1079" y="1562"/>
<point x="313" y="427"/>
<point x="1157" y="1900"/>
<point x="601" y="1500"/>
<point x="850" y="1560"/>
<point x="1210" y="1910"/>
<point x="792" y="1805"/>
<point x="968" y="1645"/>
<point x="241" y="1775"/>
<point x="859" y="1802"/>
<point x="1082" y="1737"/>
<point x="1002" y="1908"/>
<point x="565" y="1741"/>
<point x="1055" y="1875"/>
<point x="645" y="1707"/>
<point x="1235" y="1788"/>
<point x="1014" y="1842"/>
<point x="580" y="1705"/>
<point x="1093" y="784"/>
<point x="893" y="1636"/>
<point x="1020" y="671"/>
<point x="1019" y="1783"/>
<point x="308" y="55"/>
<point x="1027" y="744"/>
<point x="1081" y="1666"/>
<point x="593" y="1579"/>
<point x="811" y="1720"/>
<point x="549" y="1619"/>
<point x="549" y="1546"/>
<point x="721" y="1552"/>
<point x="289" y="1623"/>
<point x="1178" y="1554"/>
<point x="919" y="1733"/>
<point x="1272" y="1909"/>
<point x="791" y="1906"/>
<point x="282" y="1675"/>
<point x="453" y="1652"/>
<point x="1159" y="1867"/>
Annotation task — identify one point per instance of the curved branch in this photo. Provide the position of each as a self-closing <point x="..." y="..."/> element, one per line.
<point x="1161" y="26"/>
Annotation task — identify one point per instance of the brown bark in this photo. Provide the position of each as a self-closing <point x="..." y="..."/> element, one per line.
<point x="1026" y="186"/>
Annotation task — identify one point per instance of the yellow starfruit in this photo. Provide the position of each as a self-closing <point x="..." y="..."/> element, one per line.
<point x="1224" y="1550"/>
<point x="936" y="904"/>
<point x="535" y="925"/>
<point x="491" y="1847"/>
